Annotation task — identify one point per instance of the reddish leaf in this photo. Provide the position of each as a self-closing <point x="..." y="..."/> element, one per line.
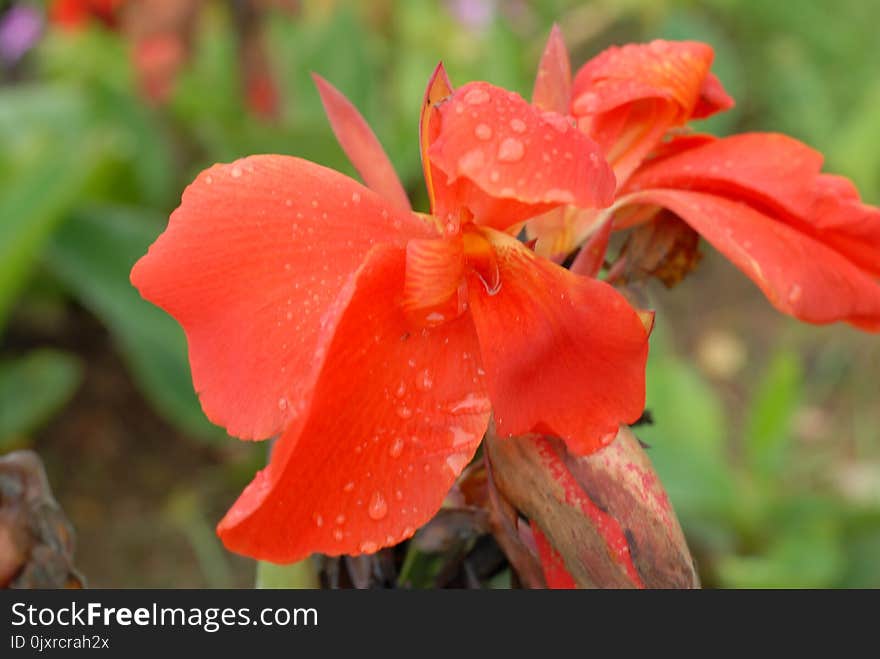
<point x="361" y="145"/>
<point x="552" y="89"/>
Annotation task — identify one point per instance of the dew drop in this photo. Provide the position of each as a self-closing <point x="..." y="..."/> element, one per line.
<point x="282" y="403"/>
<point x="494" y="176"/>
<point x="557" y="121"/>
<point x="517" y="125"/>
<point x="460" y="436"/>
<point x="510" y="150"/>
<point x="457" y="461"/>
<point x="424" y="381"/>
<point x="209" y="180"/>
<point x="401" y="389"/>
<point x="471" y="404"/>
<point x="348" y="487"/>
<point x="236" y="172"/>
<point x="288" y="202"/>
<point x="476" y="96"/>
<point x="355" y="197"/>
<point x="408" y="531"/>
<point x="472" y="161"/>
<point x="794" y="293"/>
<point x="404" y="412"/>
<point x="319" y="520"/>
<point x="378" y="508"/>
<point x="340" y="519"/>
<point x="398" y="495"/>
<point x="368" y="547"/>
<point x="483" y="132"/>
<point x="396" y="448"/>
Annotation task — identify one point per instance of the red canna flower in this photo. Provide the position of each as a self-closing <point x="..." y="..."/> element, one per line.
<point x="73" y="14"/>
<point x="802" y="236"/>
<point x="377" y="341"/>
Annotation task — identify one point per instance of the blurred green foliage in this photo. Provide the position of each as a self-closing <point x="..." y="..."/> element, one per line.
<point x="89" y="172"/>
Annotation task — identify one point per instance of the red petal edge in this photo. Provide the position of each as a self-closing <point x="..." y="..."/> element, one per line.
<point x="250" y="265"/>
<point x="397" y="414"/>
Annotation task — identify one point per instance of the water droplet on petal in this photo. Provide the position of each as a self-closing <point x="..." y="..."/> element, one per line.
<point x="378" y="508"/>
<point x="483" y="132"/>
<point x="408" y="531"/>
<point x="794" y="293"/>
<point x="236" y="172"/>
<point x="476" y="96"/>
<point x="396" y="448"/>
<point x="471" y="404"/>
<point x="355" y="197"/>
<point x="518" y="125"/>
<point x="472" y="161"/>
<point x="494" y="176"/>
<point x="319" y="521"/>
<point x="510" y="150"/>
<point x="424" y="380"/>
<point x="398" y="495"/>
<point x="348" y="487"/>
<point x="282" y="403"/>
<point x="460" y="436"/>
<point x="457" y="461"/>
<point x="337" y="534"/>
<point x="209" y="180"/>
<point x="404" y="412"/>
<point x="340" y="519"/>
<point x="557" y="121"/>
<point x="559" y="195"/>
<point x="401" y="389"/>
<point x="368" y="547"/>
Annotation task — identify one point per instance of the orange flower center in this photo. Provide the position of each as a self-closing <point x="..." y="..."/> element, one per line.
<point x="435" y="289"/>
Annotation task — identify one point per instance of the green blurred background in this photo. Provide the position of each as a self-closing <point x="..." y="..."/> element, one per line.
<point x="766" y="434"/>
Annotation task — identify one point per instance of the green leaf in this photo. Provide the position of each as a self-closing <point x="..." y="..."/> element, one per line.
<point x="806" y="553"/>
<point x="295" y="575"/>
<point x="31" y="206"/>
<point x="92" y="254"/>
<point x="688" y="436"/>
<point x="770" y="415"/>
<point x="32" y="388"/>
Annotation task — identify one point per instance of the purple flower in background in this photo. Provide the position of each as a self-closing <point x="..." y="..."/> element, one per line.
<point x="20" y="28"/>
<point x="474" y="14"/>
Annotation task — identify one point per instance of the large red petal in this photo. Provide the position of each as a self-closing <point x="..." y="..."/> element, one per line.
<point x="397" y="413"/>
<point x="673" y="71"/>
<point x="249" y="265"/>
<point x="552" y="89"/>
<point x="564" y="354"/>
<point x="361" y="145"/>
<point x="509" y="161"/>
<point x="779" y="176"/>
<point x="627" y="98"/>
<point x="799" y="275"/>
